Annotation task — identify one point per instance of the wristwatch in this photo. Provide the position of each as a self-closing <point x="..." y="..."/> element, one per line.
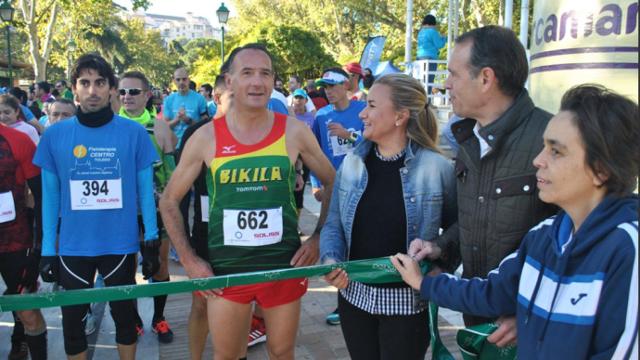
<point x="353" y="137"/>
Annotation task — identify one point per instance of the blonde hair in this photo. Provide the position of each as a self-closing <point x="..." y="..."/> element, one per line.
<point x="408" y="93"/>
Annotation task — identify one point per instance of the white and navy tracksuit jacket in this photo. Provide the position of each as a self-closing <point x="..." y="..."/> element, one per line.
<point x="575" y="296"/>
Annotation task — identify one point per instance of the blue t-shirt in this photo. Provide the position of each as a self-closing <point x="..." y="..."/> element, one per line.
<point x="28" y="115"/>
<point x="429" y="43"/>
<point x="43" y="120"/>
<point x="336" y="148"/>
<point x="97" y="169"/>
<point x="194" y="105"/>
<point x="278" y="106"/>
<point x="211" y="108"/>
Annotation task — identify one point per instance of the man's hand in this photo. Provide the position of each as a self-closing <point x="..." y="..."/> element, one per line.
<point x="308" y="253"/>
<point x="420" y="249"/>
<point x="150" y="257"/>
<point x="337" y="278"/>
<point x="409" y="269"/>
<point x="299" y="182"/>
<point x="507" y="332"/>
<point x="49" y="268"/>
<point x="336" y="129"/>
<point x="318" y="193"/>
<point x="197" y="268"/>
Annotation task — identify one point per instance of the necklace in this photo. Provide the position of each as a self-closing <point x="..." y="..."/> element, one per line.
<point x="389" y="158"/>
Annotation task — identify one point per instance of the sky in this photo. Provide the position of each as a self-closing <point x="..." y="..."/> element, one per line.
<point x="205" y="8"/>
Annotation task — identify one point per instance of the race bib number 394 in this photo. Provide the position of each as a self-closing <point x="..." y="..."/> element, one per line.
<point x="255" y="227"/>
<point x="96" y="194"/>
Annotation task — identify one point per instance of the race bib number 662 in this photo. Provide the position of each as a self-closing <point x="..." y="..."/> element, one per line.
<point x="254" y="227"/>
<point x="96" y="194"/>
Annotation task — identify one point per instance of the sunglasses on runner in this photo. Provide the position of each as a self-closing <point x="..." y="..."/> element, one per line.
<point x="132" y="92"/>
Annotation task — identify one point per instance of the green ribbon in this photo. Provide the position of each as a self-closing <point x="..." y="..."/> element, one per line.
<point x="473" y="344"/>
<point x="439" y="351"/>
<point x="372" y="271"/>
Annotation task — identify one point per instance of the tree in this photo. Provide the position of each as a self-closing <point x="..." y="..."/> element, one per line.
<point x="146" y="53"/>
<point x="343" y="26"/>
<point x="40" y="21"/>
<point x="295" y="50"/>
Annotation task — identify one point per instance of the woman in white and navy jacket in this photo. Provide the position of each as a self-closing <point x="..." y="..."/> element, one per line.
<point x="573" y="283"/>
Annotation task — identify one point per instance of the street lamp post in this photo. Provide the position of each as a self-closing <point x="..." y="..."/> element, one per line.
<point x="223" y="16"/>
<point x="6" y="14"/>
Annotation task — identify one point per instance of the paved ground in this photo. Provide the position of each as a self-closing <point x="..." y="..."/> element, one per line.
<point x="316" y="339"/>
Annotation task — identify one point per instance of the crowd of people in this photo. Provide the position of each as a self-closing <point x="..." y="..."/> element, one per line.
<point x="98" y="179"/>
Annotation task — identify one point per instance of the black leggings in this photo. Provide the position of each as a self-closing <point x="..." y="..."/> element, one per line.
<point x="384" y="337"/>
<point x="77" y="272"/>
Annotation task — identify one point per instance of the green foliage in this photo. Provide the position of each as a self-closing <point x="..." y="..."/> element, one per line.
<point x="146" y="53"/>
<point x="96" y="25"/>
<point x="343" y="26"/>
<point x="294" y="49"/>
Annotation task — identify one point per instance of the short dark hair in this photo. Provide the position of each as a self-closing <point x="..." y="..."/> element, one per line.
<point x="62" y="82"/>
<point x="65" y="101"/>
<point x="94" y="62"/>
<point x="297" y="78"/>
<point x="429" y="20"/>
<point x="20" y="94"/>
<point x="137" y="75"/>
<point x="250" y="46"/>
<point x="498" y="48"/>
<point x="609" y="128"/>
<point x="208" y="88"/>
<point x="11" y="101"/>
<point x="45" y="86"/>
<point x="219" y="82"/>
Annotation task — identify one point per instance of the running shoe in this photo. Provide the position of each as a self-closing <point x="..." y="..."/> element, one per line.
<point x="19" y="350"/>
<point x="161" y="328"/>
<point x="173" y="255"/>
<point x="258" y="331"/>
<point x="333" y="318"/>
<point x="89" y="324"/>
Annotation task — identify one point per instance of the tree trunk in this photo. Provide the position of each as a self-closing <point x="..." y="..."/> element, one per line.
<point x="477" y="12"/>
<point x="39" y="56"/>
<point x="342" y="39"/>
<point x="46" y="51"/>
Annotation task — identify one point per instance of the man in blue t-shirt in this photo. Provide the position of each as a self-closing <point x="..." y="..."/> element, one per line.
<point x="184" y="107"/>
<point x="96" y="168"/>
<point x="206" y="90"/>
<point x="337" y="127"/>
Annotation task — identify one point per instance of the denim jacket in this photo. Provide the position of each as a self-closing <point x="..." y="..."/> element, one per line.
<point x="428" y="185"/>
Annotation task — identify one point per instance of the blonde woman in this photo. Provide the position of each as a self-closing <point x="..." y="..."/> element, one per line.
<point x="394" y="187"/>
